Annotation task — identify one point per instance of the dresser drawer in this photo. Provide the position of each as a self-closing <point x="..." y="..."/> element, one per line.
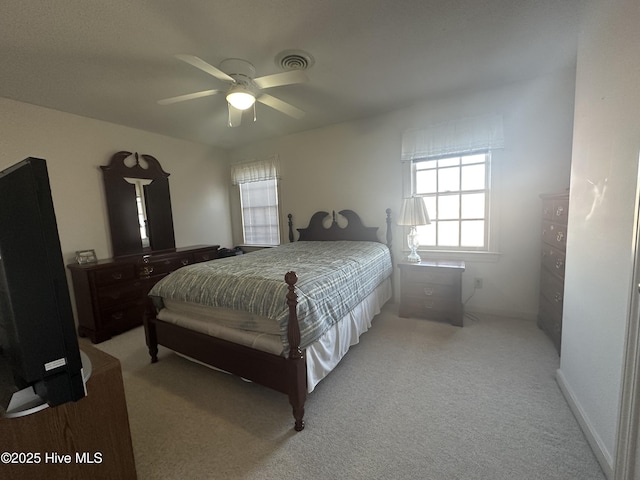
<point x="553" y="259"/>
<point x="556" y="209"/>
<point x="124" y="317"/>
<point x="550" y="321"/>
<point x="205" y="256"/>
<point x="552" y="288"/>
<point x="120" y="293"/>
<point x="554" y="234"/>
<point x="109" y="276"/>
<point x="164" y="265"/>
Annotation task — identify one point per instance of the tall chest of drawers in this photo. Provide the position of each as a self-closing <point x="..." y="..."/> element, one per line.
<point x="555" y="209"/>
<point x="111" y="294"/>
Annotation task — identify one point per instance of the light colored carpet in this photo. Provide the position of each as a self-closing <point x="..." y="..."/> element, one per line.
<point x="414" y="399"/>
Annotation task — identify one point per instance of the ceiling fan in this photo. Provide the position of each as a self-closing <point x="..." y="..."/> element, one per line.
<point x="244" y="89"/>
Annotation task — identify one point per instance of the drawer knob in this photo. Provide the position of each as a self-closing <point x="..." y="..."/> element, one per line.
<point x="560" y="236"/>
<point x="185" y="262"/>
<point x="557" y="297"/>
<point x="117" y="276"/>
<point x="147" y="270"/>
<point x="559" y="263"/>
<point x="428" y="291"/>
<point x="559" y="211"/>
<point x="117" y="316"/>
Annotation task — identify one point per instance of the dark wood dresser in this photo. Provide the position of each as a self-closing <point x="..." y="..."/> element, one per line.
<point x="555" y="209"/>
<point x="432" y="290"/>
<point x="111" y="294"/>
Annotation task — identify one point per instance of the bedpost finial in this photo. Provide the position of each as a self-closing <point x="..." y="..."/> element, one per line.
<point x="291" y="278"/>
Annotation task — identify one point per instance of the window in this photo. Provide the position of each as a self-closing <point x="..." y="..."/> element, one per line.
<point x="448" y="164"/>
<point x="456" y="192"/>
<point x="258" y="184"/>
<point x="259" y="202"/>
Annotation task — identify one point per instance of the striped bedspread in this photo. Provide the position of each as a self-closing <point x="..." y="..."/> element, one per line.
<point x="333" y="277"/>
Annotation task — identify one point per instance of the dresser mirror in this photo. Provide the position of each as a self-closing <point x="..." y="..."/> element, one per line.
<point x="138" y="204"/>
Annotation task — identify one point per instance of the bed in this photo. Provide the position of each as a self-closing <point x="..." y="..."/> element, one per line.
<point x="238" y="315"/>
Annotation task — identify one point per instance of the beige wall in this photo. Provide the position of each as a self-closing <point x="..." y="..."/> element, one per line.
<point x="356" y="165"/>
<point x="75" y="147"/>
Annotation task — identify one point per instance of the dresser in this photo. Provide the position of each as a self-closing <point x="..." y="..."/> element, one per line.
<point x="111" y="294"/>
<point x="432" y="290"/>
<point x="555" y="209"/>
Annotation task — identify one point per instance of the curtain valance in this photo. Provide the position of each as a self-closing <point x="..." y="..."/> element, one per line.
<point x="456" y="136"/>
<point x="255" y="171"/>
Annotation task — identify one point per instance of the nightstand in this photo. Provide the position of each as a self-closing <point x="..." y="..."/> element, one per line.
<point x="432" y="290"/>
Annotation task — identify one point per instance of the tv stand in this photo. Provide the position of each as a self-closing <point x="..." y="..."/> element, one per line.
<point x="26" y="401"/>
<point x="92" y="434"/>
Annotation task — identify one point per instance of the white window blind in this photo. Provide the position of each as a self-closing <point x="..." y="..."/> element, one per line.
<point x="455" y="137"/>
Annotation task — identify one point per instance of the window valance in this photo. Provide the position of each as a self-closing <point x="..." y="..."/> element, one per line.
<point x="255" y="171"/>
<point x="456" y="136"/>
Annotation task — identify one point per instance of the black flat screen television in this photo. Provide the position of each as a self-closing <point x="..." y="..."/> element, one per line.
<point x="39" y="347"/>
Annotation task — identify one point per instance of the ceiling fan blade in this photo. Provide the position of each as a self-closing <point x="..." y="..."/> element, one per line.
<point x="188" y="96"/>
<point x="235" y="116"/>
<point x="205" y="67"/>
<point x="281" y="106"/>
<point x="279" y="79"/>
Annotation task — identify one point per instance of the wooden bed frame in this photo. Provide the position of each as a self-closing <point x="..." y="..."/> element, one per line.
<point x="287" y="375"/>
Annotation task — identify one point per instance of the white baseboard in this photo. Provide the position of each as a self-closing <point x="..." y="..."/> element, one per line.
<point x="602" y="454"/>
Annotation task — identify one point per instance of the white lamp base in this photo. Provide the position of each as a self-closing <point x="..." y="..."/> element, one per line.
<point x="412" y="241"/>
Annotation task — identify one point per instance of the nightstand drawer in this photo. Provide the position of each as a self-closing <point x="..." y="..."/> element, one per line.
<point x="428" y="290"/>
<point x="431" y="276"/>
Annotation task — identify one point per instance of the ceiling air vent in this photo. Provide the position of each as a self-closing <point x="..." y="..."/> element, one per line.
<point x="294" y="60"/>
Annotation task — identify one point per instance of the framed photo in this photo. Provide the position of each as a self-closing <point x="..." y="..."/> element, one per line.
<point x="86" y="256"/>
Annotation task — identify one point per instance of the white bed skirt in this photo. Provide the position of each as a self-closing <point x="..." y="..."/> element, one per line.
<point x="322" y="356"/>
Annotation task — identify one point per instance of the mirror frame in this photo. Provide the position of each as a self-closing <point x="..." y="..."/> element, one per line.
<point x="122" y="208"/>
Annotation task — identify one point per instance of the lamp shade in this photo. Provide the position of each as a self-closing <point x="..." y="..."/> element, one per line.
<point x="414" y="212"/>
<point x="240" y="98"/>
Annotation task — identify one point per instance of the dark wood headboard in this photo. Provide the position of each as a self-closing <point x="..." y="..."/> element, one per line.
<point x="354" y="230"/>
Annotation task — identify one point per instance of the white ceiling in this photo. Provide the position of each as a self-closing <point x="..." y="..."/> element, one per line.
<point x="112" y="60"/>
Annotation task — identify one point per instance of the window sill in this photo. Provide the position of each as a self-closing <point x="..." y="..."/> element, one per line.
<point x="467" y="256"/>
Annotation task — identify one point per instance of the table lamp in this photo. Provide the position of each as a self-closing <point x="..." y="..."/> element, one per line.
<point x="413" y="213"/>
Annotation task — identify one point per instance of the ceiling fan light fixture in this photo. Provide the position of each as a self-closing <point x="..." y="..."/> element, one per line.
<point x="239" y="97"/>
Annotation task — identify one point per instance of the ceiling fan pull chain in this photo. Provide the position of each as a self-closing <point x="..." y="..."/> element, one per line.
<point x="229" y="115"/>
<point x="254" y="112"/>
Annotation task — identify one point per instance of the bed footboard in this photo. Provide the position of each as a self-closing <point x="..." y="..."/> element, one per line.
<point x="287" y="375"/>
